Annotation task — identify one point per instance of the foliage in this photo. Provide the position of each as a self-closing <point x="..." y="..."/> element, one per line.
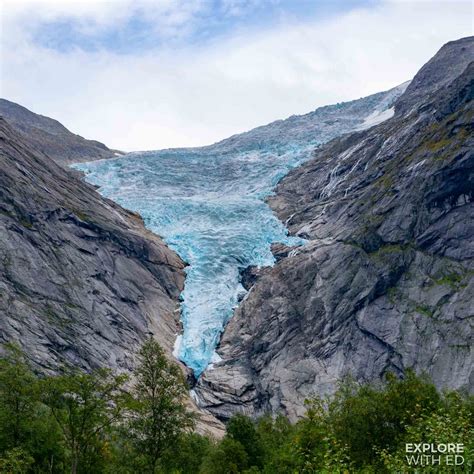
<point x="84" y="406"/>
<point x="157" y="413"/>
<point x="99" y="423"/>
<point x="28" y="433"/>
<point x="18" y="395"/>
<point x="228" y="457"/>
<point x="242" y="429"/>
<point x="15" y="461"/>
<point x="451" y="422"/>
<point x="186" y="456"/>
<point x="366" y="418"/>
<point x="276" y="434"/>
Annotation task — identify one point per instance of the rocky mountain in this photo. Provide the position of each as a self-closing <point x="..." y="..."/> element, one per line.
<point x="82" y="281"/>
<point x="51" y="137"/>
<point x="386" y="279"/>
<point x="208" y="205"/>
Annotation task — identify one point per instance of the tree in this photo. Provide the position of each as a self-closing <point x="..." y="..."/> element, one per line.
<point x="315" y="447"/>
<point x="15" y="461"/>
<point x="242" y="429"/>
<point x="18" y="397"/>
<point x="187" y="454"/>
<point x="85" y="406"/>
<point x="227" y="457"/>
<point x="451" y="422"/>
<point x="157" y="414"/>
<point x="277" y="435"/>
<point x="368" y="418"/>
<point x="27" y="430"/>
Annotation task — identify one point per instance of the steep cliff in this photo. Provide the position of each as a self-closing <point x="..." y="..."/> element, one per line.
<point x="81" y="280"/>
<point x="386" y="279"/>
<point x="51" y="137"/>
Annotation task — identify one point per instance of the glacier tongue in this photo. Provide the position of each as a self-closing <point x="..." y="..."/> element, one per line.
<point x="208" y="204"/>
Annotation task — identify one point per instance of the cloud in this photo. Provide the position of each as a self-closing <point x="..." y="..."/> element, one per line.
<point x="180" y="91"/>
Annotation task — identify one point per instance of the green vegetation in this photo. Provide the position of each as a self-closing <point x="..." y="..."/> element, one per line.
<point x="156" y="410"/>
<point x="105" y="423"/>
<point x="424" y="309"/>
<point x="53" y="318"/>
<point x="446" y="135"/>
<point x="26" y="223"/>
<point x="90" y="423"/>
<point x="454" y="279"/>
<point x="435" y="146"/>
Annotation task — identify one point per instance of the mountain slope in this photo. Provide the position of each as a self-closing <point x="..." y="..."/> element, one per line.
<point x="387" y="277"/>
<point x="82" y="281"/>
<point x="315" y="127"/>
<point x="51" y="137"/>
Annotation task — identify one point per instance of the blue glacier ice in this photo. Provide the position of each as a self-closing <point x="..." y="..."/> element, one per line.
<point x="208" y="205"/>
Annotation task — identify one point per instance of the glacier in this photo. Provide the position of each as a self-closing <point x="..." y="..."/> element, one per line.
<point x="208" y="204"/>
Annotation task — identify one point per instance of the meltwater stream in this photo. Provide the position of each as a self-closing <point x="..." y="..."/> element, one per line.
<point x="207" y="204"/>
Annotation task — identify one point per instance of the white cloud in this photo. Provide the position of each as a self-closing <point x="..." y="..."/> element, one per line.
<point x="199" y="94"/>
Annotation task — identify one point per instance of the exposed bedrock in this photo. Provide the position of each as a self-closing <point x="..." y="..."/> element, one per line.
<point x="385" y="282"/>
<point x="82" y="282"/>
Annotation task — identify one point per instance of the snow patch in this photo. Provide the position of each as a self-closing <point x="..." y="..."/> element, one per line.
<point x="376" y="117"/>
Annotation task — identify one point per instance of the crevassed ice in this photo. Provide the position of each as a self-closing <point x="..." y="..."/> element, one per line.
<point x="207" y="203"/>
<point x="209" y="209"/>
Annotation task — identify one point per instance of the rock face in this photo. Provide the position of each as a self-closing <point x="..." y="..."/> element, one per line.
<point x="82" y="281"/>
<point x="51" y="137"/>
<point x="386" y="280"/>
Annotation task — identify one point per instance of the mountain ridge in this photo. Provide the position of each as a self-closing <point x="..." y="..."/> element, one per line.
<point x="53" y="138"/>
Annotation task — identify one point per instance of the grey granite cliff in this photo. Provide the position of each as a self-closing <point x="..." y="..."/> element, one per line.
<point x="82" y="281"/>
<point x="386" y="280"/>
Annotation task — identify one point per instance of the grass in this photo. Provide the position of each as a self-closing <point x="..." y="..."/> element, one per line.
<point x="453" y="279"/>
<point x="390" y="249"/>
<point x="53" y="318"/>
<point x="424" y="309"/>
<point x="26" y="223"/>
<point x="22" y="220"/>
<point x="435" y="146"/>
<point x="393" y="294"/>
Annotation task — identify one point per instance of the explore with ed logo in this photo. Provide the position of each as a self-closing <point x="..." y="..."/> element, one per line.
<point x="430" y="454"/>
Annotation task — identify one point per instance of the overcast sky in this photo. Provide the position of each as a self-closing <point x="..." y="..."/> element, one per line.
<point x="155" y="74"/>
